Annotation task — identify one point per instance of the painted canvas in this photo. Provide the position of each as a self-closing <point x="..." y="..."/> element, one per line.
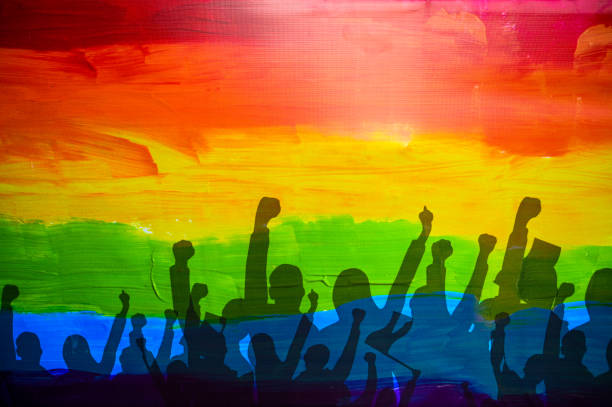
<point x="305" y="202"/>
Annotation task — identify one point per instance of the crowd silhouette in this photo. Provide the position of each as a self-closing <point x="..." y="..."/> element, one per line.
<point x="511" y="350"/>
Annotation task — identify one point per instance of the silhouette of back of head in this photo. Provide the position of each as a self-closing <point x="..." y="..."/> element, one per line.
<point x="234" y="309"/>
<point x="351" y="285"/>
<point x="573" y="345"/>
<point x="77" y="354"/>
<point x="316" y="357"/>
<point x="265" y="351"/>
<point x="535" y="370"/>
<point x="537" y="283"/>
<point x="286" y="288"/>
<point x="28" y="348"/>
<point x="598" y="295"/>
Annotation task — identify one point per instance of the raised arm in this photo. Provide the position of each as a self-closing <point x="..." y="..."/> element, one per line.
<point x="552" y="341"/>
<point x="410" y="264"/>
<point x="179" y="278"/>
<point x="114" y="337"/>
<point x="7" y="346"/>
<point x="165" y="348"/>
<point x="507" y="278"/>
<point x="345" y="363"/>
<point x="473" y="291"/>
<point x="154" y="371"/>
<point x="255" y="279"/>
<point x="498" y="353"/>
<point x="367" y="397"/>
<point x="299" y="340"/>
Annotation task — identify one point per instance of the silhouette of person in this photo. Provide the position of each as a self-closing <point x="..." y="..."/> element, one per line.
<point x="321" y="386"/>
<point x="352" y="290"/>
<point x="273" y="375"/>
<point x="568" y="381"/>
<point x="27" y="343"/>
<point x="130" y="358"/>
<point x="512" y="389"/>
<point x="179" y="278"/>
<point x="76" y="351"/>
<point x="598" y="330"/>
<point x="537" y="287"/>
<point x="285" y="290"/>
<point x="23" y="379"/>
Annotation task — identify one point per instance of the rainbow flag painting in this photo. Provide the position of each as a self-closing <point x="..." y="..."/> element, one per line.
<point x="306" y="203"/>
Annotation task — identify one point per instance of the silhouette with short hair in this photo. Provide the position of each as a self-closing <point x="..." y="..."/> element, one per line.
<point x="27" y="344"/>
<point x="23" y="379"/>
<point x="321" y="386"/>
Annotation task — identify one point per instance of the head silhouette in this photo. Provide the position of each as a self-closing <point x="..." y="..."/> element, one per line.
<point x="286" y="288"/>
<point x="351" y="285"/>
<point x="598" y="296"/>
<point x="77" y="354"/>
<point x="537" y="283"/>
<point x="573" y="345"/>
<point x="535" y="369"/>
<point x="264" y="351"/>
<point x="234" y="309"/>
<point x="316" y="357"/>
<point x="28" y="348"/>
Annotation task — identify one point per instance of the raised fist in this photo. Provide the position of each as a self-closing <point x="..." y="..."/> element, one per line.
<point x="170" y="315"/>
<point x="124" y="298"/>
<point x="369" y="357"/>
<point x="426" y="217"/>
<point x="313" y="297"/>
<point x="268" y="209"/>
<point x="198" y="291"/>
<point x="441" y="250"/>
<point x="139" y="321"/>
<point x="183" y="251"/>
<point x="565" y="290"/>
<point x="486" y="243"/>
<point x="528" y="209"/>
<point x="358" y="315"/>
<point x="9" y="293"/>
